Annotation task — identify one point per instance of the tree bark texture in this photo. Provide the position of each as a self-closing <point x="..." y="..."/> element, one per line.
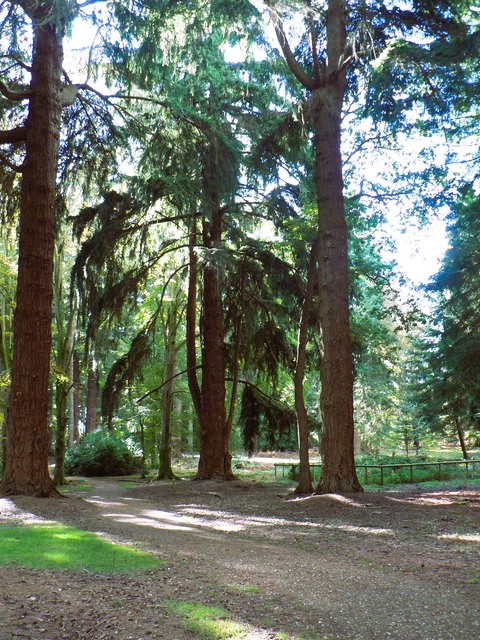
<point x="213" y="423"/>
<point x="326" y="89"/>
<point x="336" y="368"/>
<point x="26" y="469"/>
<point x="304" y="485"/>
<point x="74" y="432"/>
<point x="91" y="412"/>
<point x="165" y="471"/>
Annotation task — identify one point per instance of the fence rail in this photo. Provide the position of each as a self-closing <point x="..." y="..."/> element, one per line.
<point x="472" y="469"/>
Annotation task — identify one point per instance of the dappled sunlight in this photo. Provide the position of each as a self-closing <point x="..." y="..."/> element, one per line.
<point x="460" y="537"/>
<point x="10" y="512"/>
<point x="335" y="497"/>
<point x="167" y="523"/>
<point x="191" y="518"/>
<point x="440" y="498"/>
<point x="425" y="500"/>
<point x="220" y="523"/>
<point x="250" y="521"/>
<point x="98" y="500"/>
<point x="242" y="520"/>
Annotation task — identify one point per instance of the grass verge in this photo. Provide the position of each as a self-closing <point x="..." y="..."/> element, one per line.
<point x="48" y="546"/>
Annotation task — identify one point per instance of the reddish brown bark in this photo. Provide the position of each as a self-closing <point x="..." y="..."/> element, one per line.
<point x="336" y="369"/>
<point x="304" y="485"/>
<point x="213" y="423"/>
<point x="165" y="470"/>
<point x="26" y="470"/>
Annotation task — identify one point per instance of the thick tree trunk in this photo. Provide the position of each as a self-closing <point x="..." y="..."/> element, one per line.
<point x="26" y="470"/>
<point x="215" y="460"/>
<point x="305" y="480"/>
<point x="336" y="369"/>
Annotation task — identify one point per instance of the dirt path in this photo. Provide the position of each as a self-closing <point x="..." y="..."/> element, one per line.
<point x="391" y="565"/>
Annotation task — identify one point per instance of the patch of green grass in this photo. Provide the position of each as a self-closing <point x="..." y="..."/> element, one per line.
<point x="128" y="484"/>
<point x="47" y="546"/>
<point x="210" y="623"/>
<point x="73" y="488"/>
<point x="245" y="587"/>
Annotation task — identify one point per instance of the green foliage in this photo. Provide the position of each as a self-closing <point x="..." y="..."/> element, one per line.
<point x="60" y="547"/>
<point x="100" y="453"/>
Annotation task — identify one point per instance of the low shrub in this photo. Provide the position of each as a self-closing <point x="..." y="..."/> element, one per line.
<point x="100" y="453"/>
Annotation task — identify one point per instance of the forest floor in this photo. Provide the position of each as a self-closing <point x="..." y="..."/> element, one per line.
<point x="385" y="565"/>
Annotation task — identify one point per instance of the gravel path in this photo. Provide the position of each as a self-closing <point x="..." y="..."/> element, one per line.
<point x="400" y="566"/>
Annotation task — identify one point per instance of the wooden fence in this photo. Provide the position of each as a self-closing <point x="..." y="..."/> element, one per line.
<point x="471" y="469"/>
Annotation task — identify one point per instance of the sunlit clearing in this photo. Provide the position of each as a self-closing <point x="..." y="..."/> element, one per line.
<point x="460" y="537"/>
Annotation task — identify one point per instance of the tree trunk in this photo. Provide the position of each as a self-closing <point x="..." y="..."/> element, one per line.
<point x="304" y="480"/>
<point x="26" y="469"/>
<point x="327" y="90"/>
<point x="215" y="459"/>
<point x="75" y="400"/>
<point x="191" y="325"/>
<point x="165" y="471"/>
<point x="61" y="397"/>
<point x="64" y="347"/>
<point x="461" y="438"/>
<point x="91" y="413"/>
<point x="336" y="368"/>
<point x="235" y="374"/>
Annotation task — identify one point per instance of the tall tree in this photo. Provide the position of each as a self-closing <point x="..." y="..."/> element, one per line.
<point x="26" y="469"/>
<point x="326" y="83"/>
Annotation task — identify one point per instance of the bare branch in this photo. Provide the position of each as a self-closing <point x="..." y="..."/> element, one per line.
<point x="10" y="164"/>
<point x="314" y="46"/>
<point x="86" y="3"/>
<point x="180" y="373"/>
<point x="16" y="95"/>
<point x="13" y="136"/>
<point x="303" y="77"/>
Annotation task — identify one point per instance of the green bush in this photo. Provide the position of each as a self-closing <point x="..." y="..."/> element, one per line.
<point x="100" y="454"/>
